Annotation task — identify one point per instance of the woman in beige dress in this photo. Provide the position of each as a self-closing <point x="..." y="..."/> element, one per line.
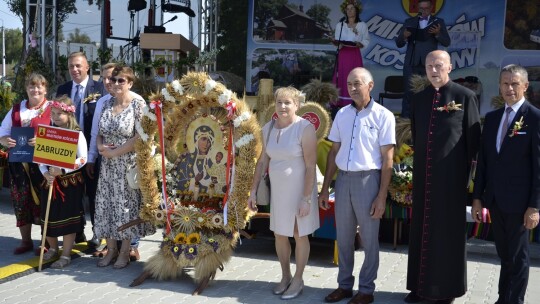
<point x="290" y="158"/>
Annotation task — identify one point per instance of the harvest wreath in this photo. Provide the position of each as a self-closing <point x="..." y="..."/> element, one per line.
<point x="210" y="140"/>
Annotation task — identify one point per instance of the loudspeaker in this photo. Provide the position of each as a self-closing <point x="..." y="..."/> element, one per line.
<point x="175" y="8"/>
<point x="136" y="5"/>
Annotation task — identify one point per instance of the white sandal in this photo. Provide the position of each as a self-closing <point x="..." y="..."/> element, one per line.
<point x="62" y="262"/>
<point x="50" y="254"/>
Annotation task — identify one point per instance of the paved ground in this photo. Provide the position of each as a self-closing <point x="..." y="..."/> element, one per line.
<point x="247" y="278"/>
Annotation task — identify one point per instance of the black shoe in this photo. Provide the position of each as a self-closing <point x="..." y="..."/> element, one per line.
<point x="80" y="238"/>
<point x="338" y="295"/>
<point x="412" y="297"/>
<point x="94" y="242"/>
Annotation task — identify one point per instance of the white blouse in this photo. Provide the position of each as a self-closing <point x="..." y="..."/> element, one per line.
<point x="26" y="117"/>
<point x="348" y="34"/>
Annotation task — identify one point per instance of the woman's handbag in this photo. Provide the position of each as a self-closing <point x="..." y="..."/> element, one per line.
<point x="132" y="176"/>
<point x="263" y="189"/>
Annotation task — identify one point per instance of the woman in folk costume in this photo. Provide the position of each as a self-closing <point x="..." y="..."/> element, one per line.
<point x="351" y="35"/>
<point x="24" y="177"/>
<point x="66" y="216"/>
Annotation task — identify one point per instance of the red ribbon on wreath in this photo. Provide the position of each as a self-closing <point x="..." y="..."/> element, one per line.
<point x="230" y="162"/>
<point x="157" y="105"/>
<point x="231" y="109"/>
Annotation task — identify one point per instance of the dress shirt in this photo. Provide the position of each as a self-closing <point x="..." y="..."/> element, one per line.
<point x="361" y="135"/>
<point x="515" y="108"/>
<point x="424" y="23"/>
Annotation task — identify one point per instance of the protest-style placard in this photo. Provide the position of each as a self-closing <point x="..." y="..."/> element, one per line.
<point x="56" y="147"/>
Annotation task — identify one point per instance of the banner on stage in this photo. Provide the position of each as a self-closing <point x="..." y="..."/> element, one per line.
<point x="56" y="147"/>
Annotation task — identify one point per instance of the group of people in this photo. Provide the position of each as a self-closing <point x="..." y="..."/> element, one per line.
<point x="105" y="114"/>
<point x="447" y="138"/>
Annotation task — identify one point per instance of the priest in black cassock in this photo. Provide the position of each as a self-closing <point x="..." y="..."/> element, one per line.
<point x="445" y="126"/>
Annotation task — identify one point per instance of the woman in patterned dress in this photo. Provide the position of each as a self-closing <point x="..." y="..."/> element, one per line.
<point x="25" y="177"/>
<point x="116" y="202"/>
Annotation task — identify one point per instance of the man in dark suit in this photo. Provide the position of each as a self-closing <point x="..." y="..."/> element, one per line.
<point x="508" y="181"/>
<point x="422" y="34"/>
<point x="79" y="89"/>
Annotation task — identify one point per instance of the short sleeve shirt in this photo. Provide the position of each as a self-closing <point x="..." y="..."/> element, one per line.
<point x="362" y="134"/>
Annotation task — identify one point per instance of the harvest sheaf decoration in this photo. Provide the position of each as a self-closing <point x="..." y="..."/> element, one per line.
<point x="211" y="141"/>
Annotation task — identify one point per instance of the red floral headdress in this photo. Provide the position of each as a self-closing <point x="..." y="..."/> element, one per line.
<point x="62" y="106"/>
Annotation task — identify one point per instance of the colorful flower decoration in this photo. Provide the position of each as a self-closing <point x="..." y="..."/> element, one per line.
<point x="190" y="252"/>
<point x="400" y="188"/>
<point x="518" y="125"/>
<point x="193" y="238"/>
<point x="212" y="242"/>
<point x="180" y="238"/>
<point x="451" y="106"/>
<point x="176" y="250"/>
<point x="197" y="218"/>
<point x="217" y="220"/>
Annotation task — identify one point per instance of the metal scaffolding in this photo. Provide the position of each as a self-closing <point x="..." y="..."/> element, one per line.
<point x="208" y="19"/>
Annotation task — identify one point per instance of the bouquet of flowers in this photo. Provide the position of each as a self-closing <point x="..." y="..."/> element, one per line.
<point x="400" y="187"/>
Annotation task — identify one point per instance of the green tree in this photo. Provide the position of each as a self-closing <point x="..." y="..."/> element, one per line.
<point x="319" y="13"/>
<point x="14" y="45"/>
<point x="78" y="37"/>
<point x="233" y="37"/>
<point x="265" y="10"/>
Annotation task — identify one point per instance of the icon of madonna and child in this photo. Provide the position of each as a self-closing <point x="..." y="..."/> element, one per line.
<point x="200" y="172"/>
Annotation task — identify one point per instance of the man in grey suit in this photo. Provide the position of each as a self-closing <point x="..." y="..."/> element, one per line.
<point x="421" y="34"/>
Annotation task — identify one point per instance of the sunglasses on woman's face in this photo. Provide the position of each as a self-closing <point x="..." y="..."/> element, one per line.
<point x="117" y="80"/>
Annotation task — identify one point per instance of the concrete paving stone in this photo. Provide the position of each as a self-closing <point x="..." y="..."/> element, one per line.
<point x="247" y="278"/>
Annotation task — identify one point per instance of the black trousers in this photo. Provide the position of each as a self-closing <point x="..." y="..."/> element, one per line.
<point x="91" y="188"/>
<point x="512" y="243"/>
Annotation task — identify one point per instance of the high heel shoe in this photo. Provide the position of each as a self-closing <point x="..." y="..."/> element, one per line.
<point x="280" y="287"/>
<point x="291" y="294"/>
<point x="122" y="261"/>
<point x="112" y="254"/>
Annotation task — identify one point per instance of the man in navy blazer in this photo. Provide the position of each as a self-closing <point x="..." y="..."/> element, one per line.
<point x="508" y="181"/>
<point x="422" y="35"/>
<point x="78" y="69"/>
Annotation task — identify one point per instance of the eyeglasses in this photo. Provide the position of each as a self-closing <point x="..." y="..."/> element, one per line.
<point x="118" y="80"/>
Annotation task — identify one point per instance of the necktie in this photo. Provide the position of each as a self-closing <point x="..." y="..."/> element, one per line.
<point x="77" y="102"/>
<point x="504" y="130"/>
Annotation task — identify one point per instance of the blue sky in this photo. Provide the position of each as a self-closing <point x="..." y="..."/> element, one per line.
<point x="88" y="20"/>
